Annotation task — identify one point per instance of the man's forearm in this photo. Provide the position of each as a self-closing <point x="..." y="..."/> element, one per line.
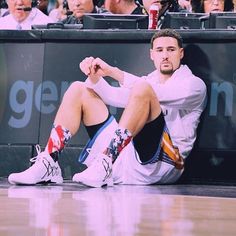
<point x="117" y="74"/>
<point x="113" y="72"/>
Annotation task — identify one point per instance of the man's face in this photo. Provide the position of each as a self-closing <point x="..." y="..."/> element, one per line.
<point x="148" y="3"/>
<point x="166" y="55"/>
<point x="213" y="5"/>
<point x="15" y="5"/>
<point x="79" y="7"/>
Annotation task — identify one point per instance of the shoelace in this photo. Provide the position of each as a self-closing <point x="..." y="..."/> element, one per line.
<point x="38" y="150"/>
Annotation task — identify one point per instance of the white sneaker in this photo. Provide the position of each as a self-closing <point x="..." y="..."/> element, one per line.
<point x="44" y="170"/>
<point x="98" y="174"/>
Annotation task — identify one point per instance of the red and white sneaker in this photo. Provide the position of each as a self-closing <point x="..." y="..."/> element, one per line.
<point x="98" y="174"/>
<point x="44" y="170"/>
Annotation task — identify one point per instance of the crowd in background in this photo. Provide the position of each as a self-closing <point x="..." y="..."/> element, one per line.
<point x="21" y="14"/>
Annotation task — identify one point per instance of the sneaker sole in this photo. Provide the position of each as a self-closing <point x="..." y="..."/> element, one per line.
<point x="60" y="181"/>
<point x="95" y="184"/>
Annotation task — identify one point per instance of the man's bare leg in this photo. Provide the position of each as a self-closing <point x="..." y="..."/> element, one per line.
<point x="79" y="104"/>
<point x="143" y="107"/>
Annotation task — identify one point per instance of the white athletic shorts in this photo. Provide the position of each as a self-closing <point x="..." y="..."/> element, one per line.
<point x="127" y="168"/>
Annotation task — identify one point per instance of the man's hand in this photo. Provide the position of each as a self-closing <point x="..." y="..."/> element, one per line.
<point x="85" y="65"/>
<point x="95" y="68"/>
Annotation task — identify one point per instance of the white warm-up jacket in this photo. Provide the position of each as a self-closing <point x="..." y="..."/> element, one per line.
<point x="182" y="98"/>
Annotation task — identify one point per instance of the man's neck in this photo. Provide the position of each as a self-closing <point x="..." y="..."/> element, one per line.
<point x="163" y="77"/>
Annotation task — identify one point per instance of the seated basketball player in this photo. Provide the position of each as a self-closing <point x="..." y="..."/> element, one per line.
<point x="154" y="135"/>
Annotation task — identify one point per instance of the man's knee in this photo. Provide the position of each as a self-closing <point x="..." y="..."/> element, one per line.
<point x="144" y="94"/>
<point x="75" y="88"/>
<point x="79" y="91"/>
<point x="143" y="90"/>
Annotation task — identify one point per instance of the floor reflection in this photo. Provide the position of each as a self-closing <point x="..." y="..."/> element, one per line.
<point x="121" y="210"/>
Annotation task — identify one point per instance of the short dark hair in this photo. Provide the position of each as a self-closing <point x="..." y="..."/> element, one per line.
<point x="167" y="33"/>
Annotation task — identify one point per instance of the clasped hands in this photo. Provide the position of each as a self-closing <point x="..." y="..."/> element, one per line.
<point x="95" y="68"/>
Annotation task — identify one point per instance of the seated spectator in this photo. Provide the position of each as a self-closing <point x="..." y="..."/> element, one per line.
<point x="123" y="7"/>
<point x="164" y="6"/>
<point x="207" y="6"/>
<point x="59" y="13"/>
<point x="77" y="8"/>
<point x="22" y="16"/>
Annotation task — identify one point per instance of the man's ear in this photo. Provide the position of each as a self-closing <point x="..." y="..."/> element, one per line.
<point x="181" y="53"/>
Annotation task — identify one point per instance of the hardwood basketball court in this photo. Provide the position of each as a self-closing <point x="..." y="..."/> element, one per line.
<point x="71" y="209"/>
